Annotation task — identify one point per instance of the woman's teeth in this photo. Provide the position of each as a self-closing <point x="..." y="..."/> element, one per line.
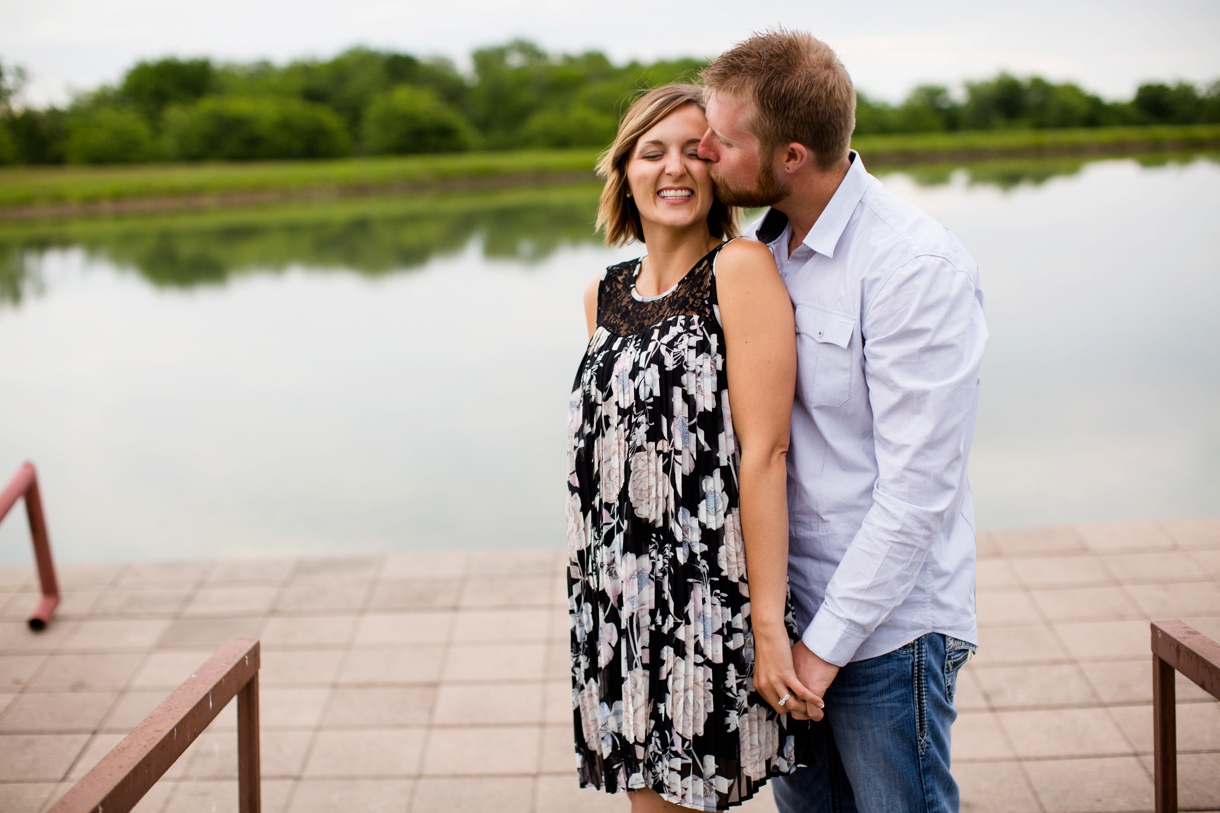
<point x="675" y="193"/>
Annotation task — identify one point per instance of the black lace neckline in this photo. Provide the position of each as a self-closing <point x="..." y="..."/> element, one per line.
<point x="621" y="310"/>
<point x="635" y="292"/>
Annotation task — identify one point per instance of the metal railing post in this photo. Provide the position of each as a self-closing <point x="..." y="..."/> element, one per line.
<point x="25" y="484"/>
<point x="1176" y="647"/>
<point x="1165" y="736"/>
<point x="249" y="792"/>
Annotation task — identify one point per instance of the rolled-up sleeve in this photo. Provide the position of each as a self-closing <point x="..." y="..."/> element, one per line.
<point x="923" y="334"/>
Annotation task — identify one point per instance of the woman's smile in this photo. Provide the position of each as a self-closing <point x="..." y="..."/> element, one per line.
<point x="673" y="194"/>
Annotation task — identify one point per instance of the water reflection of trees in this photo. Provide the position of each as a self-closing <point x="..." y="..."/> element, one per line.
<point x="389" y="235"/>
<point x="14" y="276"/>
<point x="370" y="237"/>
<point x="1011" y="173"/>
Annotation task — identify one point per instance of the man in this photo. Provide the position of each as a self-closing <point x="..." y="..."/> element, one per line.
<point x="889" y="317"/>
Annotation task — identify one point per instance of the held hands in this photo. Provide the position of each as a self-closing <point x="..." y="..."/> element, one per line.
<point x="775" y="676"/>
<point x="815" y="673"/>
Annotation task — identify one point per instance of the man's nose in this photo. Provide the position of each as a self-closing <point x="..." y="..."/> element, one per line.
<point x="704" y="150"/>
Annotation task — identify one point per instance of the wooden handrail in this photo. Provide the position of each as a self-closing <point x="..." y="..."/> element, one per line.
<point x="25" y="484"/>
<point x="120" y="780"/>
<point x="1176" y="646"/>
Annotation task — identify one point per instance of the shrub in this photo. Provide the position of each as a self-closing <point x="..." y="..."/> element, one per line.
<point x="108" y="135"/>
<point x="153" y="86"/>
<point x="1211" y="103"/>
<point x="250" y="129"/>
<point x="929" y="108"/>
<point x="411" y="120"/>
<point x="8" y="146"/>
<point x="995" y="103"/>
<point x="578" y="126"/>
<point x="40" y="135"/>
<point x="874" y="116"/>
<point x="1159" y="103"/>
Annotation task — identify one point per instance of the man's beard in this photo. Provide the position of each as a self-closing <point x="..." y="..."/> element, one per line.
<point x="768" y="190"/>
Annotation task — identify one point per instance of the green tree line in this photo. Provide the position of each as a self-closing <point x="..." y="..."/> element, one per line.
<point x="367" y="102"/>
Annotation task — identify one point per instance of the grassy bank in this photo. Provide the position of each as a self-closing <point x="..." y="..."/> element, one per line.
<point x="62" y="191"/>
<point x="912" y="148"/>
<point x="44" y="186"/>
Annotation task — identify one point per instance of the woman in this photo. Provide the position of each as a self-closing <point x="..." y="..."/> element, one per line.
<point x="682" y="673"/>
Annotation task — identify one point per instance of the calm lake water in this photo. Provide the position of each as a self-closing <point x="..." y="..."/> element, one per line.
<point x="393" y="374"/>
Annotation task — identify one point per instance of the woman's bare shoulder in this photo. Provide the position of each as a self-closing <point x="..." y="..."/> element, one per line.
<point x="744" y="259"/>
<point x="745" y="255"/>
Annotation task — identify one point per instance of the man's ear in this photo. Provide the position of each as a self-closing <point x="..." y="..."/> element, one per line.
<point x="796" y="156"/>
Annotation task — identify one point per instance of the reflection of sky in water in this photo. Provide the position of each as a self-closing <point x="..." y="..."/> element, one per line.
<point x="305" y="411"/>
<point x="1101" y="383"/>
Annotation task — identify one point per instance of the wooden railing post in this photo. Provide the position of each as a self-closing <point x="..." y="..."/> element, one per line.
<point x="25" y="484"/>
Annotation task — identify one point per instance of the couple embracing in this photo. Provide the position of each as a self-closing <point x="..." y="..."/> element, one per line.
<point x="770" y="526"/>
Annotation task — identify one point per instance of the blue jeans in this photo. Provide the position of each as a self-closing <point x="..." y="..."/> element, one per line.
<point x="883" y="746"/>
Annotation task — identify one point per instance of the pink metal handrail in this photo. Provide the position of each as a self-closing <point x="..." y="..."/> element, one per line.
<point x="25" y="484"/>
<point x="1176" y="647"/>
<point x="120" y="780"/>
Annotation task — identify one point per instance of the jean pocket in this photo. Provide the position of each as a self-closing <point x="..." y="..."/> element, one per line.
<point x="957" y="652"/>
<point x="824" y="356"/>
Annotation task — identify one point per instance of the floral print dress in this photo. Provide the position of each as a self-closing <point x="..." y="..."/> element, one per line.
<point x="662" y="650"/>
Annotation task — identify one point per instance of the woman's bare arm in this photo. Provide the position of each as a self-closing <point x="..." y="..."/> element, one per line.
<point x="760" y="356"/>
<point x="591" y="305"/>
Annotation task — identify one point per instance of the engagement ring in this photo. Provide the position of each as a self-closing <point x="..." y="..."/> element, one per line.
<point x="784" y="700"/>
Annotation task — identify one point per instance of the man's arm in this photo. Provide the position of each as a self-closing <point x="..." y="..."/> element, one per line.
<point x="923" y="344"/>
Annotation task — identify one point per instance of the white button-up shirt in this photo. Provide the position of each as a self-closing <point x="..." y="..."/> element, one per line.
<point x="890" y="335"/>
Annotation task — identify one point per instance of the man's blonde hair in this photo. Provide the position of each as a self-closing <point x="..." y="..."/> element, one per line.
<point x="800" y="89"/>
<point x="617" y="214"/>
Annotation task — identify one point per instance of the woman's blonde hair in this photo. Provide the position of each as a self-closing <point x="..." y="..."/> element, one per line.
<point x="617" y="214"/>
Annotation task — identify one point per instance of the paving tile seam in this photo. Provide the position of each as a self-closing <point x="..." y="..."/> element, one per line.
<point x="328" y="777"/>
<point x="963" y="712"/>
<point x="989" y="665"/>
<point x="327" y="704"/>
<point x="446" y="652"/>
<point x="963" y="759"/>
<point x="1060" y="553"/>
<point x="1081" y="675"/>
<point x="405" y="684"/>
<point x="986" y="669"/>
<point x="192" y="591"/>
<point x="1072" y="757"/>
<point x="1006" y="736"/>
<point x="1047" y="707"/>
<point x="73" y="651"/>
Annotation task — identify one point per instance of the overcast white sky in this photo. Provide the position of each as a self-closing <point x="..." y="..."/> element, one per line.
<point x="889" y="47"/>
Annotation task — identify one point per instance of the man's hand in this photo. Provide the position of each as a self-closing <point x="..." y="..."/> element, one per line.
<point x="816" y="675"/>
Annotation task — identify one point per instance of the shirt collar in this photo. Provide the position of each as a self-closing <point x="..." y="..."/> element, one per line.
<point x="828" y="228"/>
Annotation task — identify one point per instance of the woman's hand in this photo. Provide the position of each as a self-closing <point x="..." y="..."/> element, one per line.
<point x="760" y="353"/>
<point x="775" y="676"/>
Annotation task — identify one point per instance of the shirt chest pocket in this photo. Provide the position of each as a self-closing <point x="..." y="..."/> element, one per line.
<point x="824" y="362"/>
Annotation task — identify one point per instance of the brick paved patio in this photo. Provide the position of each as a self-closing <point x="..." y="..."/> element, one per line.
<point x="375" y="667"/>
